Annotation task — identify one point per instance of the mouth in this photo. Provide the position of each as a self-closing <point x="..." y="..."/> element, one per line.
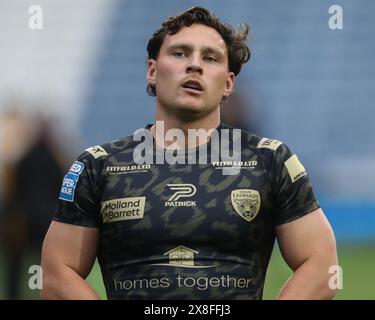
<point x="193" y="86"/>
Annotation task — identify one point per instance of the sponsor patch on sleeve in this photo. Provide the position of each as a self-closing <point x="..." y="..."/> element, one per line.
<point x="97" y="151"/>
<point x="70" y="181"/>
<point x="295" y="168"/>
<point x="269" y="144"/>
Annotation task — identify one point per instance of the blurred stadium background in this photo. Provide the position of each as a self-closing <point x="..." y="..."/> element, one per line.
<point x="82" y="80"/>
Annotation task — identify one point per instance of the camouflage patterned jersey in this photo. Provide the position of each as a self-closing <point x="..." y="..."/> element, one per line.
<point x="185" y="231"/>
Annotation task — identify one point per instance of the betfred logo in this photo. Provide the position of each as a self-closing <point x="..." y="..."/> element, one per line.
<point x="123" y="209"/>
<point x="77" y="167"/>
<point x="70" y="181"/>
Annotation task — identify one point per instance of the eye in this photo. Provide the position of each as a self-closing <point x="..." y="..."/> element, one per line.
<point x="210" y="59"/>
<point x="179" y="54"/>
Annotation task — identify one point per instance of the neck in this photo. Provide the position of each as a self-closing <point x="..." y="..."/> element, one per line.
<point x="171" y="121"/>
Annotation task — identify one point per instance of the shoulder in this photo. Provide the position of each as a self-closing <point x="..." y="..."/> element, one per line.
<point x="103" y="152"/>
<point x="277" y="157"/>
<point x="274" y="154"/>
<point x="259" y="144"/>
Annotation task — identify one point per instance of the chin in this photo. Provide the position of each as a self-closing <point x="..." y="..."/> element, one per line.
<point x="189" y="107"/>
<point x="185" y="109"/>
<point x="189" y="113"/>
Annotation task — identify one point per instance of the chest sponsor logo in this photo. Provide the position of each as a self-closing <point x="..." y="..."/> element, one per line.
<point x="183" y="257"/>
<point x="97" y="151"/>
<point x="123" y="209"/>
<point x="70" y="181"/>
<point x="182" y="190"/>
<point x="246" y="202"/>
<point x="137" y="168"/>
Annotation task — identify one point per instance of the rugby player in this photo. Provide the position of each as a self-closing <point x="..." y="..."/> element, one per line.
<point x="187" y="230"/>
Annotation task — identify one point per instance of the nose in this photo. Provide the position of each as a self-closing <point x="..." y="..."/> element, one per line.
<point x="194" y="65"/>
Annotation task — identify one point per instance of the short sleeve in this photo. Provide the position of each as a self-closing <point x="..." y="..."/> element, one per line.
<point x="78" y="200"/>
<point x="292" y="191"/>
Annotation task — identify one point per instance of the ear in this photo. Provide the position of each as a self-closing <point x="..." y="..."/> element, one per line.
<point x="229" y="84"/>
<point x="151" y="71"/>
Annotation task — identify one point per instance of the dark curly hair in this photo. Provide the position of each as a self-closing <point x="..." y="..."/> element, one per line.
<point x="235" y="39"/>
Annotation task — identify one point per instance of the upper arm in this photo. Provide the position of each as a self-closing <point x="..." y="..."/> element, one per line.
<point x="68" y="245"/>
<point x="305" y="237"/>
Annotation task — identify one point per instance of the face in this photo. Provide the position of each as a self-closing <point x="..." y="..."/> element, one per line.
<point x="191" y="72"/>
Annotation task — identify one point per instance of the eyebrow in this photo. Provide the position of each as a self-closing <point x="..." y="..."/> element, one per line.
<point x="187" y="47"/>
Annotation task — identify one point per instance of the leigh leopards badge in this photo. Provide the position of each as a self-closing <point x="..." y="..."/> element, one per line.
<point x="246" y="202"/>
